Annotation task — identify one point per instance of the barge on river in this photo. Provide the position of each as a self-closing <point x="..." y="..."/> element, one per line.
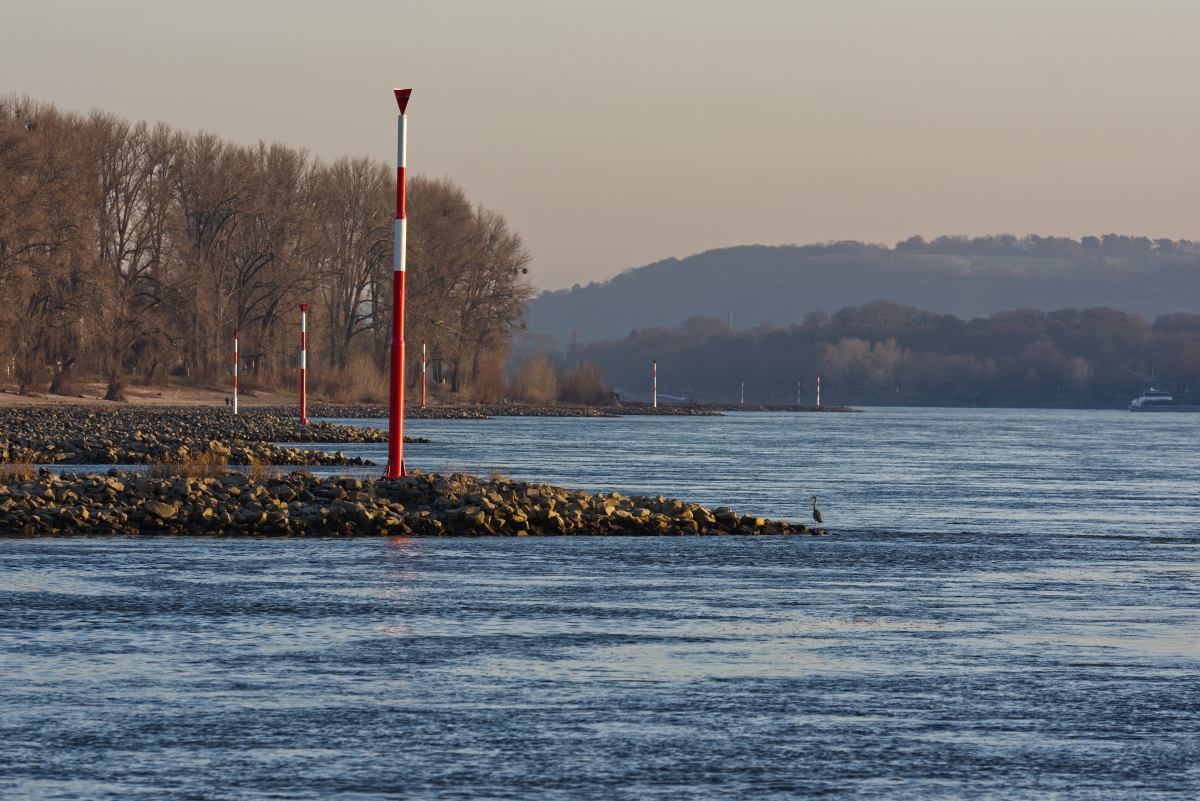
<point x="1156" y="400"/>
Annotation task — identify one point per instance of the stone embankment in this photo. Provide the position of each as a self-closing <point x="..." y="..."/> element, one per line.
<point x="667" y="410"/>
<point x="626" y="408"/>
<point x="303" y="506"/>
<point x="776" y="407"/>
<point x="504" y="410"/>
<point x="140" y="435"/>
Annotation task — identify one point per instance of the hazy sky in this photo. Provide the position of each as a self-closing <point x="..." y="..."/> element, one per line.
<point x="615" y="134"/>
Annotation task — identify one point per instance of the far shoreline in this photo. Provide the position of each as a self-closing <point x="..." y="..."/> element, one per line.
<point x="182" y="395"/>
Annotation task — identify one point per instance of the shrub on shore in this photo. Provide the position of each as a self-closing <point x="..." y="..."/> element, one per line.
<point x="534" y="380"/>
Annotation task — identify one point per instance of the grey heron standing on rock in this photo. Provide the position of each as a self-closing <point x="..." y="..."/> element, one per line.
<point x="817" y="512"/>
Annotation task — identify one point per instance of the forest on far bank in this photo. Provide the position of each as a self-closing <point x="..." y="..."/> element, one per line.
<point x="131" y="253"/>
<point x="888" y="353"/>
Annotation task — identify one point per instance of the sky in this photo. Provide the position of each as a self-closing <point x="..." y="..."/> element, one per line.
<point x="612" y="135"/>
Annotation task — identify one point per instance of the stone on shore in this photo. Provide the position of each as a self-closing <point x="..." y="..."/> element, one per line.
<point x="166" y="435"/>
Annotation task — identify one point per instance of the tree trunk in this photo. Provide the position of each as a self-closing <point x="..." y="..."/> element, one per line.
<point x="116" y="387"/>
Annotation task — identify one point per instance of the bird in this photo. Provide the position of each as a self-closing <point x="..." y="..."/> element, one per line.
<point x="816" y="511"/>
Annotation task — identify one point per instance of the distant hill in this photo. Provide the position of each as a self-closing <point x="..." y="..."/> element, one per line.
<point x="951" y="275"/>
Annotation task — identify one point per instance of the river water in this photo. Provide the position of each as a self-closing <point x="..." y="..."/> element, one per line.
<point x="1008" y="605"/>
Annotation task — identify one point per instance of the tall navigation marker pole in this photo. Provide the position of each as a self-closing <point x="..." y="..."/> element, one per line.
<point x="303" y="364"/>
<point x="656" y="383"/>
<point x="395" y="465"/>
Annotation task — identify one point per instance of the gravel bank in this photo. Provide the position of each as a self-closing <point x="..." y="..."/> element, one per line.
<point x="505" y="410"/>
<point x="776" y="407"/>
<point x="518" y="410"/>
<point x="141" y="435"/>
<point x="303" y="506"/>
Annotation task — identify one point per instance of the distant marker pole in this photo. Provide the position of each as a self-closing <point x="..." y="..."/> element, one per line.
<point x="235" y="360"/>
<point x="743" y="392"/>
<point x="395" y="465"/>
<point x="422" y="374"/>
<point x="797" y="393"/>
<point x="656" y="383"/>
<point x="818" y="390"/>
<point x="303" y="364"/>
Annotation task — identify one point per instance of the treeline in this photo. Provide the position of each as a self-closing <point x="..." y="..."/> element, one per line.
<point x="1050" y="247"/>
<point x="885" y="352"/>
<point x="132" y="251"/>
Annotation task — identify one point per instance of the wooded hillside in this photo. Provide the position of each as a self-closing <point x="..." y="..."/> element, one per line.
<point x="966" y="277"/>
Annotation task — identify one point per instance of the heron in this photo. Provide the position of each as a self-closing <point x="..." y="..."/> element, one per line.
<point x="817" y="512"/>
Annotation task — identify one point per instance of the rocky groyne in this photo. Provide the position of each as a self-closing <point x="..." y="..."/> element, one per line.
<point x="625" y="408"/>
<point x="504" y="410"/>
<point x="776" y="407"/>
<point x="300" y="505"/>
<point x="143" y="435"/>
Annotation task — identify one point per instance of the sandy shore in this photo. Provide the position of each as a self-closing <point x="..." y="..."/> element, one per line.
<point x="169" y="395"/>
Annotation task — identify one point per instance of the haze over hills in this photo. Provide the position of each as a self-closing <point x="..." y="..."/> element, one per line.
<point x="952" y="275"/>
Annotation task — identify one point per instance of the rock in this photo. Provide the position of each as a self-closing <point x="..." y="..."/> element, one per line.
<point x="163" y="511"/>
<point x="298" y="504"/>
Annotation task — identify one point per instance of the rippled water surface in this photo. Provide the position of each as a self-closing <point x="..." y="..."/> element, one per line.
<point x="1052" y="651"/>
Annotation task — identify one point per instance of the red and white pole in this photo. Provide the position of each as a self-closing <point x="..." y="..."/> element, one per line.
<point x="818" y="390"/>
<point x="797" y="393"/>
<point x="395" y="465"/>
<point x="422" y="374"/>
<point x="743" y="392"/>
<point x="656" y="383"/>
<point x="303" y="364"/>
<point x="235" y="360"/>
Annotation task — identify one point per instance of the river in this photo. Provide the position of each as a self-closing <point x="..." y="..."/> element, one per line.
<point x="1007" y="605"/>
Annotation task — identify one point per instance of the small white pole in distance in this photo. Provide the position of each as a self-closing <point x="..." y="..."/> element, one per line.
<point x="656" y="383"/>
<point x="743" y="392"/>
<point x="303" y="364"/>
<point x="797" y="393"/>
<point x="235" y="370"/>
<point x="818" y="390"/>
<point x="422" y="374"/>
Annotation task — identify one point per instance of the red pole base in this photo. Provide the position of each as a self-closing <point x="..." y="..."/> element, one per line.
<point x="303" y="399"/>
<point x="395" y="464"/>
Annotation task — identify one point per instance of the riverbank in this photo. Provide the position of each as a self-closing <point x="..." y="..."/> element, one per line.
<point x="301" y="505"/>
<point x="130" y="434"/>
<point x="625" y="409"/>
<point x="365" y="410"/>
<point x="775" y="407"/>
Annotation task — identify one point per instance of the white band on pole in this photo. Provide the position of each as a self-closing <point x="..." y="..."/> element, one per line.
<point x="402" y="141"/>
<point x="401" y="239"/>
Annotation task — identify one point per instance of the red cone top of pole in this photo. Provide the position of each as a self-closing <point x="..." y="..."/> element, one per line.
<point x="303" y="307"/>
<point x="402" y="96"/>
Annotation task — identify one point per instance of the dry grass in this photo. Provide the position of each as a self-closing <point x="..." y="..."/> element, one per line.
<point x="361" y="382"/>
<point x="205" y="465"/>
<point x="496" y="474"/>
<point x="17" y="471"/>
<point x="259" y="471"/>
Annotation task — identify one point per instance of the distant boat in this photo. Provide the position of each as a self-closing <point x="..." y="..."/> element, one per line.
<point x="1156" y="400"/>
